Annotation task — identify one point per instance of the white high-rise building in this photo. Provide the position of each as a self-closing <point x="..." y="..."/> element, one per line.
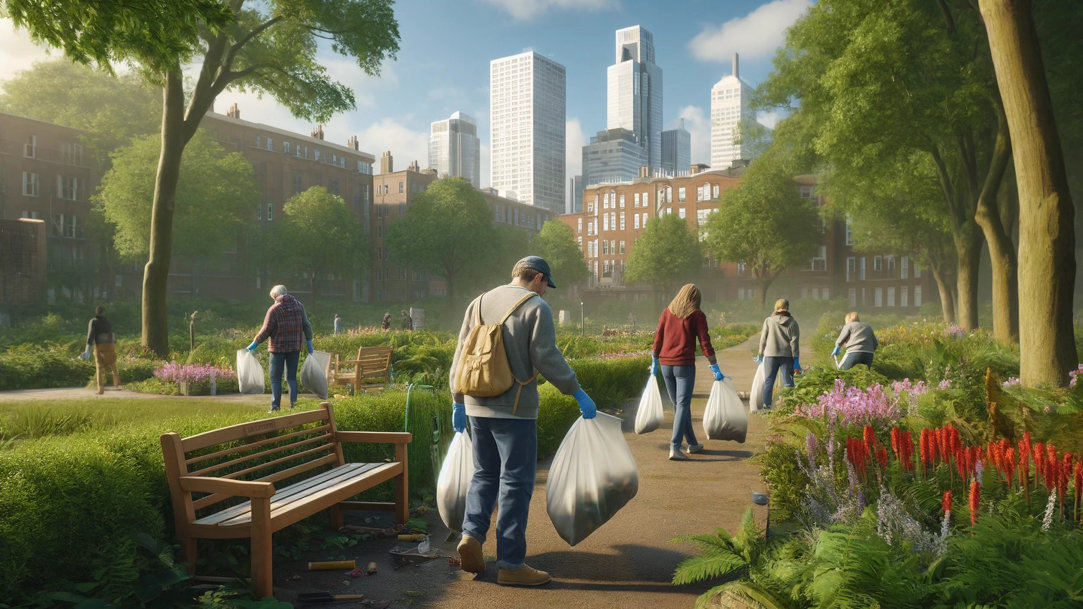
<point x="729" y="110"/>
<point x="527" y="119"/>
<point x="634" y="91"/>
<point x="454" y="148"/>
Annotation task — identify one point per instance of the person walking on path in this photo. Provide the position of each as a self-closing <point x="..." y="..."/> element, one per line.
<point x="100" y="339"/>
<point x="407" y="321"/>
<point x="859" y="340"/>
<point x="337" y="324"/>
<point x="680" y="324"/>
<point x="284" y="325"/>
<point x="779" y="349"/>
<point x="504" y="428"/>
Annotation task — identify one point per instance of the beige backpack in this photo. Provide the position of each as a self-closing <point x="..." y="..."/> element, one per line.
<point x="483" y="363"/>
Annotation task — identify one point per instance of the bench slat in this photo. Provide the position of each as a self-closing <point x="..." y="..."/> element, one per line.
<point x="261" y="457"/>
<point x="329" y="459"/>
<point x="251" y="428"/>
<point x="325" y="429"/>
<point x="241" y="513"/>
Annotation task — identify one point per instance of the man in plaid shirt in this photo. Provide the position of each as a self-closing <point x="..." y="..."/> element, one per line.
<point x="284" y="324"/>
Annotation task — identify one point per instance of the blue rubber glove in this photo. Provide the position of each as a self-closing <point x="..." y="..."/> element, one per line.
<point x="252" y="347"/>
<point x="654" y="366"/>
<point x="586" y="405"/>
<point x="796" y="365"/>
<point x="759" y="359"/>
<point x="717" y="373"/>
<point x="836" y="351"/>
<point x="458" y="417"/>
<point x="85" y="354"/>
<point x="308" y="343"/>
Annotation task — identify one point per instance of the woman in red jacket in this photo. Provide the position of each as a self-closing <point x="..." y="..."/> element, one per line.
<point x="675" y="348"/>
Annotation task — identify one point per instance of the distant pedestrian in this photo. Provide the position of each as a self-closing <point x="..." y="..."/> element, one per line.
<point x="859" y="340"/>
<point x="385" y="323"/>
<point x="284" y="325"/>
<point x="100" y="339"/>
<point x="779" y="349"/>
<point x="680" y="324"/>
<point x="338" y="324"/>
<point x="407" y="320"/>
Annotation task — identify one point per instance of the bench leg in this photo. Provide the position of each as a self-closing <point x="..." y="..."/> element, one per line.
<point x="188" y="553"/>
<point x="262" y="570"/>
<point x="338" y="519"/>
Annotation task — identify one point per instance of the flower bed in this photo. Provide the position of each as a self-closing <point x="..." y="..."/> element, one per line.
<point x="198" y="379"/>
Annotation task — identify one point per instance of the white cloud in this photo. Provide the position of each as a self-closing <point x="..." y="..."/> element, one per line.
<point x="405" y="144"/>
<point x="574" y="140"/>
<point x="754" y="36"/>
<point x="769" y="118"/>
<point x="18" y="51"/>
<point x="698" y="124"/>
<point x="525" y="10"/>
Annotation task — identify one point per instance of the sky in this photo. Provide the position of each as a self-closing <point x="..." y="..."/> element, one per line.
<point x="443" y="66"/>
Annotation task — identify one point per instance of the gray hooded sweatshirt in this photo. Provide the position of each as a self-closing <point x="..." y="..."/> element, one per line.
<point x="780" y="336"/>
<point x="530" y="341"/>
<point x="858" y="337"/>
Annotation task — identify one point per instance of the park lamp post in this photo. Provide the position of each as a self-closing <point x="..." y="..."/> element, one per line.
<point x="582" y="320"/>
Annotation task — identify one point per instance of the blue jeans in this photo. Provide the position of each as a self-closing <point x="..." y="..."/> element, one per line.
<point x="289" y="358"/>
<point x="771" y="367"/>
<point x="505" y="464"/>
<point x="679" y="381"/>
<point x="854" y="358"/>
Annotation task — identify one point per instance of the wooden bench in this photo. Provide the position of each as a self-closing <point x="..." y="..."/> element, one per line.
<point x="370" y="370"/>
<point x="272" y="473"/>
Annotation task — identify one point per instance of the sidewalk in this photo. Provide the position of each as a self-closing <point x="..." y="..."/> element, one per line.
<point x="630" y="560"/>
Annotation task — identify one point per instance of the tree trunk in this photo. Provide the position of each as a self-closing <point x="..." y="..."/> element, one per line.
<point x="968" y="253"/>
<point x="155" y="335"/>
<point x="1001" y="249"/>
<point x="947" y="294"/>
<point x="1046" y="214"/>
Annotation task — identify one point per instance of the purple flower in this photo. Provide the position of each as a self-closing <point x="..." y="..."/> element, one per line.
<point x="191" y="373"/>
<point x="944" y="384"/>
<point x="853" y="405"/>
<point x="1011" y="382"/>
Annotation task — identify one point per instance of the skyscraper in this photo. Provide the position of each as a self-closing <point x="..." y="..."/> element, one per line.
<point x="527" y="126"/>
<point x="454" y="148"/>
<point x="729" y="109"/>
<point x="676" y="150"/>
<point x="634" y="91"/>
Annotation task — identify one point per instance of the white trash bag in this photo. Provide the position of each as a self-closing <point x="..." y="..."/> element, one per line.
<point x="725" y="418"/>
<point x="249" y="372"/>
<point x="649" y="414"/>
<point x="314" y="373"/>
<point x="454" y="481"/>
<point x="593" y="475"/>
<point x="755" y="395"/>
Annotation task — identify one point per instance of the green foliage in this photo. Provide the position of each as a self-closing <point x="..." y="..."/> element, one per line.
<point x="665" y="255"/>
<point x="556" y="243"/>
<point x="312" y="220"/>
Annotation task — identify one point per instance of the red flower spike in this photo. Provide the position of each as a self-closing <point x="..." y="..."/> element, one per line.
<point x="881" y="456"/>
<point x="895" y="443"/>
<point x="923" y="448"/>
<point x="870" y="439"/>
<point x="954" y="437"/>
<point x="1026" y="441"/>
<point x="908" y="450"/>
<point x="1009" y="465"/>
<point x="975" y="500"/>
<point x="946" y="504"/>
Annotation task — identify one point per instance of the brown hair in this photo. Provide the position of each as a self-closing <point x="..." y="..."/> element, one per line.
<point x="686" y="301"/>
<point x="525" y="272"/>
<point x="851" y="316"/>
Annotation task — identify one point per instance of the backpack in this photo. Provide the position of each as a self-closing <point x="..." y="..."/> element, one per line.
<point x="483" y="363"/>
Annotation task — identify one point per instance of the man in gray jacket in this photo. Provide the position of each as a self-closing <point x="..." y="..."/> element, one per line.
<point x="780" y="340"/>
<point x="504" y="428"/>
<point x="859" y="340"/>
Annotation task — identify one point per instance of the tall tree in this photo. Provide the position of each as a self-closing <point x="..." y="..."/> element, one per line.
<point x="875" y="79"/>
<point x="447" y="230"/>
<point x="216" y="192"/>
<point x="665" y="255"/>
<point x="318" y="235"/>
<point x="1046" y="229"/>
<point x="763" y="222"/>
<point x="267" y="47"/>
<point x="556" y="243"/>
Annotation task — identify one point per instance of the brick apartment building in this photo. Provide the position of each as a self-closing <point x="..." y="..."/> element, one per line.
<point x="614" y="216"/>
<point x="45" y="175"/>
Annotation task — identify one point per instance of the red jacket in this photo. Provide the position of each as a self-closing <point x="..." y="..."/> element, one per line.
<point x="675" y="339"/>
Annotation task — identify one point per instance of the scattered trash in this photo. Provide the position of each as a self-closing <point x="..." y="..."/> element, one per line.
<point x="386" y="531"/>
<point x="326" y="597"/>
<point x="371" y="569"/>
<point x="413" y="537"/>
<point x="357" y="572"/>
<point x="331" y="565"/>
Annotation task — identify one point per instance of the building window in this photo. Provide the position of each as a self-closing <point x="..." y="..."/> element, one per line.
<point x="270" y="144"/>
<point x="917" y="272"/>
<point x="269" y="209"/>
<point x="851" y="268"/>
<point x="851" y="297"/>
<point x="621" y="247"/>
<point x="315" y="154"/>
<point x="891" y="265"/>
<point x="635" y="217"/>
<point x="30" y="184"/>
<point x="891" y="297"/>
<point x="714" y="190"/>
<point x="635" y="202"/>
<point x="259" y="213"/>
<point x="298" y="182"/>
<point x="904" y="267"/>
<point x="849" y="233"/>
<point x="917" y="296"/>
<point x="401" y="187"/>
<point x="285" y="147"/>
<point x="622" y="219"/>
<point x="904" y="296"/>
<point x="30" y="148"/>
<point x="877" y="263"/>
<point x="579" y="224"/>
<point x="680" y="194"/>
<point x="605" y="221"/>
<point x="878" y="297"/>
<point x="644" y="219"/>
<point x="681" y="212"/>
<point x="622" y="200"/>
<point x="862" y="276"/>
<point x="67" y="188"/>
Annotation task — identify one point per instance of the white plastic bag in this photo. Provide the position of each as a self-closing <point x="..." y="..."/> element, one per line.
<point x="314" y="373"/>
<point x="249" y="372"/>
<point x="454" y="481"/>
<point x="649" y="415"/>
<point x="593" y="475"/>
<point x="725" y="418"/>
<point x="755" y="395"/>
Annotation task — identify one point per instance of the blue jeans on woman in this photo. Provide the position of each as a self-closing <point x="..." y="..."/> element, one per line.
<point x="853" y="358"/>
<point x="289" y="358"/>
<point x="772" y="365"/>
<point x="505" y="464"/>
<point x="679" y="381"/>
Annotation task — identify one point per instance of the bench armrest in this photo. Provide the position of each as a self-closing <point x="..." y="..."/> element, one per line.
<point x="377" y="437"/>
<point x="226" y="486"/>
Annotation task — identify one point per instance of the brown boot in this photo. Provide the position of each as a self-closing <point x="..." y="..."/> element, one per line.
<point x="524" y="576"/>
<point x="472" y="560"/>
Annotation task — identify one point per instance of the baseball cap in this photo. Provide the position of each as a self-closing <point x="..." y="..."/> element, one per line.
<point x="539" y="264"/>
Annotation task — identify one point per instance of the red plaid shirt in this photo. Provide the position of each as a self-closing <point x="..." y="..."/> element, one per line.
<point x="284" y="325"/>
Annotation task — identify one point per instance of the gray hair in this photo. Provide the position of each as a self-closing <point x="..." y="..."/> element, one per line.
<point x="278" y="290"/>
